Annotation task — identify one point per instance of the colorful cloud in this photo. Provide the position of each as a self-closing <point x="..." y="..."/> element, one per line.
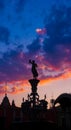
<point x="53" y="56"/>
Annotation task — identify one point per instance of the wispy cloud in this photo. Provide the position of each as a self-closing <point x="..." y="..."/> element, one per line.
<point x="53" y="56"/>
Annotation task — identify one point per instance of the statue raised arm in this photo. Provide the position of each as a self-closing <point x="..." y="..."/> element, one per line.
<point x="34" y="70"/>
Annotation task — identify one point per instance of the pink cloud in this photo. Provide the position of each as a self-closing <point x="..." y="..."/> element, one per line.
<point x="41" y="31"/>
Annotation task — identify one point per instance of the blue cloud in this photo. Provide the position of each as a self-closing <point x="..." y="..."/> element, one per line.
<point x="57" y="47"/>
<point x="12" y="65"/>
<point x="2" y="5"/>
<point x="4" y="34"/>
<point x="20" y="4"/>
<point x="34" y="47"/>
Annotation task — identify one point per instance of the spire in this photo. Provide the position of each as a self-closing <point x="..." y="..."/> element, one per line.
<point x="13" y="103"/>
<point x="5" y="102"/>
<point x="52" y="101"/>
<point x="6" y="86"/>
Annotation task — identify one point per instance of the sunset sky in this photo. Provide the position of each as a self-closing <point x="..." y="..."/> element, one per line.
<point x="39" y="30"/>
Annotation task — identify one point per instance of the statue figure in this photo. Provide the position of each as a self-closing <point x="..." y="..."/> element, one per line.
<point x="34" y="71"/>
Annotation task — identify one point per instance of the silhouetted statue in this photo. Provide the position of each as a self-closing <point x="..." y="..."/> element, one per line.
<point x="34" y="71"/>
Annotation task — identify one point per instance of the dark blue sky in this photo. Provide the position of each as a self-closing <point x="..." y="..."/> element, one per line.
<point x="20" y="40"/>
<point x="20" y="18"/>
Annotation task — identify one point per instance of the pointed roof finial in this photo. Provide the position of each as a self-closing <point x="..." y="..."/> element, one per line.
<point x="45" y="97"/>
<point x="6" y="89"/>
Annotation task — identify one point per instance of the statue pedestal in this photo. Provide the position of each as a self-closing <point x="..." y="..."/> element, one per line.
<point x="34" y="83"/>
<point x="34" y="94"/>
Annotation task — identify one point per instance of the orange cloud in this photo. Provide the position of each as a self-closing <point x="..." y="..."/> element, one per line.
<point x="13" y="87"/>
<point x="66" y="75"/>
<point x="63" y="76"/>
<point x="16" y="90"/>
<point x="16" y="87"/>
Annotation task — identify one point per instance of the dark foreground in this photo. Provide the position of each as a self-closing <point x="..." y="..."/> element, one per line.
<point x="33" y="125"/>
<point x="36" y="125"/>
